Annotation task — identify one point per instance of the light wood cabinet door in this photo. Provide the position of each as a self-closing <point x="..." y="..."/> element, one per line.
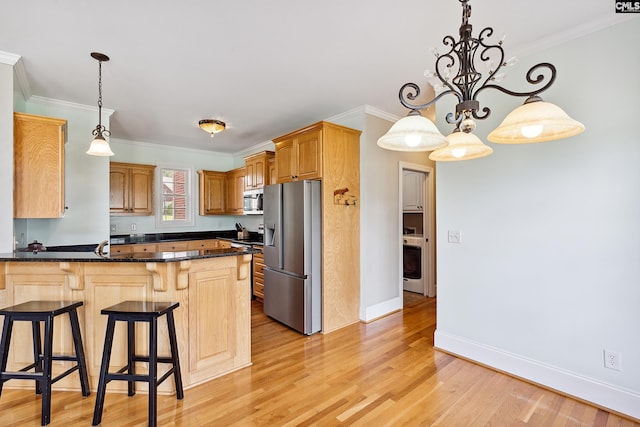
<point x="309" y="155"/>
<point x="235" y="181"/>
<point x="38" y="166"/>
<point x="218" y="332"/>
<point x="257" y="170"/>
<point x="258" y="276"/>
<point x="271" y="175"/>
<point x="299" y="155"/>
<point x="285" y="159"/>
<point x="212" y="190"/>
<point x="130" y="189"/>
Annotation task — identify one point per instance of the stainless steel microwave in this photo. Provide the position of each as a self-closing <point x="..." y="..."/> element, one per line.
<point x="253" y="200"/>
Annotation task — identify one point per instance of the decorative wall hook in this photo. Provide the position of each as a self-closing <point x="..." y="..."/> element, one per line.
<point x="341" y="198"/>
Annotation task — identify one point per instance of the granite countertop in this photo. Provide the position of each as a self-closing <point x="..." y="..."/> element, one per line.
<point x="230" y="235"/>
<point x="131" y="257"/>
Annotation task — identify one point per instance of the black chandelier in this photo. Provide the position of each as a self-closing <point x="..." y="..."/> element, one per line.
<point x="458" y="73"/>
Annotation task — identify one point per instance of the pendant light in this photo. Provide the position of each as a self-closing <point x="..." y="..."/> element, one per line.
<point x="462" y="146"/>
<point x="535" y="121"/>
<point x="413" y="133"/>
<point x="468" y="57"/>
<point x="99" y="146"/>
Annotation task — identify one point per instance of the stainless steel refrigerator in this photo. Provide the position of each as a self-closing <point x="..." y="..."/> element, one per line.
<point x="292" y="254"/>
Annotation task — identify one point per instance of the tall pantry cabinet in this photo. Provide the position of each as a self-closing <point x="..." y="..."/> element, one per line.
<point x="331" y="153"/>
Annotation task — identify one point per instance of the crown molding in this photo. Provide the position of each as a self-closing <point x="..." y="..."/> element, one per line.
<point x="19" y="72"/>
<point x="571" y="33"/>
<point x="40" y="100"/>
<point x="263" y="146"/>
<point x="362" y="110"/>
<point x="155" y="146"/>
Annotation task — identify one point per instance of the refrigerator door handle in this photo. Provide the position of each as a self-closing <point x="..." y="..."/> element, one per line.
<point x="273" y="236"/>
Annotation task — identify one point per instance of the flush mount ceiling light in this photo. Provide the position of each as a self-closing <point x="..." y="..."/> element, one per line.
<point x="99" y="146"/>
<point x="458" y="73"/>
<point x="212" y="126"/>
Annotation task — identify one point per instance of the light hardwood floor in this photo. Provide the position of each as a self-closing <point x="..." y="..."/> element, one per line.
<point x="384" y="373"/>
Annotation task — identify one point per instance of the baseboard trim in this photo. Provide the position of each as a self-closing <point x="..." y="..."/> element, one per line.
<point x="615" y="399"/>
<point x="382" y="309"/>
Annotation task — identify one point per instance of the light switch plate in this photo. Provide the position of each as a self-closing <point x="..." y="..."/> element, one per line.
<point x="455" y="236"/>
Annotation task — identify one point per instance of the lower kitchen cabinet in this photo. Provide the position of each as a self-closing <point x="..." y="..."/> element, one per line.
<point x="182" y="245"/>
<point x="258" y="276"/>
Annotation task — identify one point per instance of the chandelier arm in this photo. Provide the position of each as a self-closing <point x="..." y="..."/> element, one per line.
<point x="538" y="79"/>
<point x="416" y="92"/>
<point x="454" y="118"/>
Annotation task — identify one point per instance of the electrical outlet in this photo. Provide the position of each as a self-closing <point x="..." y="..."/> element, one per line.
<point x="455" y="236"/>
<point x="133" y="227"/>
<point x="113" y="228"/>
<point x="612" y="360"/>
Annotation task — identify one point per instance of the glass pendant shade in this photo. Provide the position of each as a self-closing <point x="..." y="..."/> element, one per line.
<point x="462" y="146"/>
<point x="99" y="147"/>
<point x="536" y="121"/>
<point x="412" y="133"/>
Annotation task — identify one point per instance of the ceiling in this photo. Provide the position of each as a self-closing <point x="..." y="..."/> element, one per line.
<point x="263" y="67"/>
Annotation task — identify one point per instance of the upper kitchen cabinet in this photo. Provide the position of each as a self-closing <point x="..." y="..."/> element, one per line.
<point x="299" y="154"/>
<point x="235" y="180"/>
<point x="212" y="190"/>
<point x="131" y="189"/>
<point x="220" y="193"/>
<point x="38" y="166"/>
<point x="257" y="170"/>
<point x="271" y="167"/>
<point x="412" y="191"/>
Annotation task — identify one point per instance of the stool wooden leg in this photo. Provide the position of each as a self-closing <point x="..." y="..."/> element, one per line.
<point x="104" y="368"/>
<point x="131" y="352"/>
<point x="37" y="351"/>
<point x="173" y="342"/>
<point x="81" y="360"/>
<point x="4" y="346"/>
<point x="46" y="371"/>
<point x="153" y="372"/>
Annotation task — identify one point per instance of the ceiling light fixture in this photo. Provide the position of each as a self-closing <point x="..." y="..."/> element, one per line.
<point x="99" y="146"/>
<point x="212" y="126"/>
<point x="457" y="72"/>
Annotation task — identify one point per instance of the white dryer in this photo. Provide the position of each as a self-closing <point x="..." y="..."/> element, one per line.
<point x="413" y="263"/>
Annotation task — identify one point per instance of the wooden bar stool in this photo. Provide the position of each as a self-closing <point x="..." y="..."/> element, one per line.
<point x="36" y="312"/>
<point x="132" y="312"/>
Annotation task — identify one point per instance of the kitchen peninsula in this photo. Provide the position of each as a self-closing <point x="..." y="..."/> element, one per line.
<point x="213" y="321"/>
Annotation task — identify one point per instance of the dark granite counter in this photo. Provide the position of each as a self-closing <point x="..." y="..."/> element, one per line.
<point x="131" y="257"/>
<point x="126" y="239"/>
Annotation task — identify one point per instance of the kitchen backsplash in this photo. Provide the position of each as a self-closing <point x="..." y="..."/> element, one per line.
<point x="147" y="224"/>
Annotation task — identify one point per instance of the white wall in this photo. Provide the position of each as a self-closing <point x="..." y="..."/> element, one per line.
<point x="6" y="156"/>
<point x="547" y="273"/>
<point x="86" y="221"/>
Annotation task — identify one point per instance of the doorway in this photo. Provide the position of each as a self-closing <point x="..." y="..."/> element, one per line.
<point x="416" y="229"/>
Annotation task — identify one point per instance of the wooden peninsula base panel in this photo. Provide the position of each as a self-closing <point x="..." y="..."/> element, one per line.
<point x="213" y="321"/>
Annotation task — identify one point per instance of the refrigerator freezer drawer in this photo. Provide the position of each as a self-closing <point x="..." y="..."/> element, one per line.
<point x="288" y="299"/>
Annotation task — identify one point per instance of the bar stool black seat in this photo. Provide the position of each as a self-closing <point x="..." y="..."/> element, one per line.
<point x="36" y="312"/>
<point x="132" y="312"/>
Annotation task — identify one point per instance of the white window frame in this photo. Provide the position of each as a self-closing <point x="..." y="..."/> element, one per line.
<point x="191" y="202"/>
